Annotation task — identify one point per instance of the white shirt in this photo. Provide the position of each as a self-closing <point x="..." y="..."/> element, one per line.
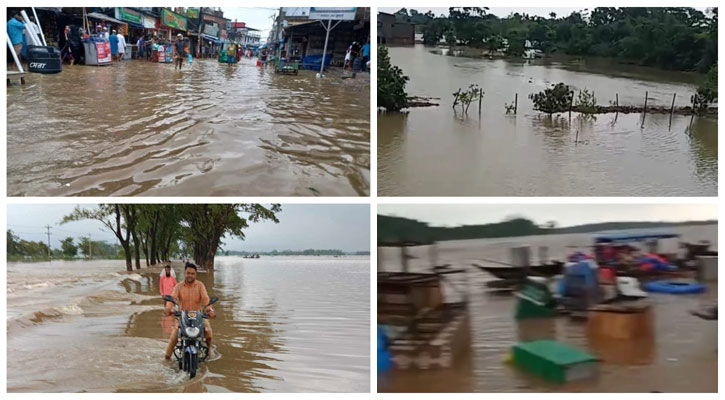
<point x="121" y="43"/>
<point x="30" y="29"/>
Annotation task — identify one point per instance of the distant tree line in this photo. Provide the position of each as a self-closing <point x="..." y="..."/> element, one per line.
<point x="396" y="230"/>
<point x="21" y="249"/>
<point x="676" y="38"/>
<point x="157" y="231"/>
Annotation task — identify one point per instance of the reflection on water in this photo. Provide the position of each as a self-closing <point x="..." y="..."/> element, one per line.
<point x="681" y="355"/>
<point x="439" y="151"/>
<point x="283" y="324"/>
<point x="142" y="128"/>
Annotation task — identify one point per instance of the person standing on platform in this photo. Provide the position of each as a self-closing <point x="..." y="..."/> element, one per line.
<point x="15" y="34"/>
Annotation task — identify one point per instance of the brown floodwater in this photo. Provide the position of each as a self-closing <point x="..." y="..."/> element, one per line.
<point x="437" y="151"/>
<point x="141" y="128"/>
<point x="284" y="324"/>
<point x="680" y="357"/>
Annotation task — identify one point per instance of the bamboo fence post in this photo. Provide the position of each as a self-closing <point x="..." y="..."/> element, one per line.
<point x="571" y="103"/>
<point x="455" y="101"/>
<point x="672" y="107"/>
<point x="516" y="102"/>
<point x="646" y="95"/>
<point x="480" y="100"/>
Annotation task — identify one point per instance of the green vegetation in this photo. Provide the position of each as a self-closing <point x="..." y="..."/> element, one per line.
<point x="396" y="230"/>
<point x="707" y="92"/>
<point x="676" y="38"/>
<point x="585" y="102"/>
<point x="160" y="230"/>
<point x="465" y="98"/>
<point x="391" y="83"/>
<point x="23" y="250"/>
<point x="555" y="99"/>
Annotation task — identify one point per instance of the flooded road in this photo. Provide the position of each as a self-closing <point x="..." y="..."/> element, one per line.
<point x="141" y="128"/>
<point x="284" y="324"/>
<point x="681" y="357"/>
<point x="435" y="151"/>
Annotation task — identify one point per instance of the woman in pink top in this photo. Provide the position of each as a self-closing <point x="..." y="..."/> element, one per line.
<point x="166" y="286"/>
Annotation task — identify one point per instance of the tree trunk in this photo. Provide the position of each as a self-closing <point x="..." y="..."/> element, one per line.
<point x="127" y="251"/>
<point x="136" y="249"/>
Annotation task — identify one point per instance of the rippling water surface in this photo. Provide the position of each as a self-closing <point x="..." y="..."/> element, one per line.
<point x="141" y="128"/>
<point x="436" y="151"/>
<point x="283" y="324"/>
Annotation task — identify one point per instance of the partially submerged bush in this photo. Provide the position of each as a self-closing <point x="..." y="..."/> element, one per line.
<point x="391" y="83"/>
<point x="586" y="102"/>
<point x="465" y="98"/>
<point x="553" y="100"/>
<point x="707" y="92"/>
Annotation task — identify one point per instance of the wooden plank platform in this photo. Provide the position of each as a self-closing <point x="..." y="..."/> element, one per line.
<point x="16" y="75"/>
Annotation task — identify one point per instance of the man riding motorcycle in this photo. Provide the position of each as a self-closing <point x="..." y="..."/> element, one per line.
<point x="190" y="295"/>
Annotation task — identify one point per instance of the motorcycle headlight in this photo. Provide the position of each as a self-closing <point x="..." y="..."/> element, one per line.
<point x="191" y="332"/>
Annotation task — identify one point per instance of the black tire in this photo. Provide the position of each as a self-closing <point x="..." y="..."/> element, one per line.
<point x="186" y="362"/>
<point x="194" y="364"/>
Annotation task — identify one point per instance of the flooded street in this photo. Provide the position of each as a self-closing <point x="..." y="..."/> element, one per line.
<point x="284" y="324"/>
<point x="436" y="151"/>
<point x="681" y="357"/>
<point x="141" y="128"/>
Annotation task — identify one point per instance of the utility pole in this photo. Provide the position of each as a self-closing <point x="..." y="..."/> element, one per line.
<point x="47" y="228"/>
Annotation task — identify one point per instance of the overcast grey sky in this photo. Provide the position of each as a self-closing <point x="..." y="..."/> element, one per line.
<point x="255" y="17"/>
<point x="563" y="214"/>
<point x="301" y="226"/>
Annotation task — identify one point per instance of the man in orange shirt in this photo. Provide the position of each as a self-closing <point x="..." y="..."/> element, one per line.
<point x="190" y="295"/>
<point x="166" y="287"/>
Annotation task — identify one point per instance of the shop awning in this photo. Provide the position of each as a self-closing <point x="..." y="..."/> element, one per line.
<point x="210" y="37"/>
<point x="105" y="18"/>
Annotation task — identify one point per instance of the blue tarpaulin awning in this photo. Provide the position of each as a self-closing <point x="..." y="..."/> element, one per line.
<point x="210" y="37"/>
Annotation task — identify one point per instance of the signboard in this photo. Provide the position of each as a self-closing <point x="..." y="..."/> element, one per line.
<point x="192" y="13"/>
<point x="103" y="49"/>
<point x="211" y="29"/>
<point x="149" y="22"/>
<point x="336" y="13"/>
<point x="129" y="15"/>
<point x="173" y="20"/>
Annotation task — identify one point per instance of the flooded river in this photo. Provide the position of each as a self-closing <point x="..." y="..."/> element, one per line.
<point x="284" y="324"/>
<point x="681" y="357"/>
<point x="436" y="151"/>
<point x="141" y="128"/>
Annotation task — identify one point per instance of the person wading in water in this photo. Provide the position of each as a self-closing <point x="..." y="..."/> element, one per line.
<point x="180" y="51"/>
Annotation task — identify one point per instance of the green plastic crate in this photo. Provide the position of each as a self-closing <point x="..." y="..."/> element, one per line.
<point x="555" y="361"/>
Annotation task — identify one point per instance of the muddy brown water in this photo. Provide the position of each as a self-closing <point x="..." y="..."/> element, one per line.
<point x="284" y="324"/>
<point x="141" y="128"/>
<point x="680" y="357"/>
<point x="436" y="151"/>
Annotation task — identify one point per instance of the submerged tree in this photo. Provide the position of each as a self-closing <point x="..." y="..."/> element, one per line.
<point x="706" y="92"/>
<point x="391" y="83"/>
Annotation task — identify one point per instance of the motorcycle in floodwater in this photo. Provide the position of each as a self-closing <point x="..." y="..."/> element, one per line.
<point x="191" y="349"/>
